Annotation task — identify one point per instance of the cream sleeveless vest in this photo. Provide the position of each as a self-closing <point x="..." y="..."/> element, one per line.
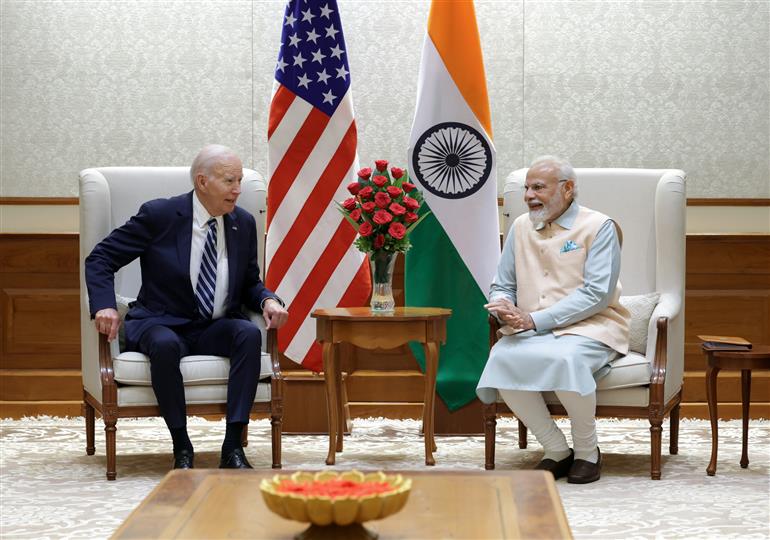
<point x="549" y="266"/>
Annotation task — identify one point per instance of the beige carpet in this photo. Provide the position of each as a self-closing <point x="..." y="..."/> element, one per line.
<point x="49" y="488"/>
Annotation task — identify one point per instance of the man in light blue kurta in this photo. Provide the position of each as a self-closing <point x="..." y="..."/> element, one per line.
<point x="556" y="291"/>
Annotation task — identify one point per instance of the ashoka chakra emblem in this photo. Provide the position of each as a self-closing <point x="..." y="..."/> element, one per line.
<point x="452" y="160"/>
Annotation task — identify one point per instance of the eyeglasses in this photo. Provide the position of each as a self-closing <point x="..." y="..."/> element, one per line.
<point x="539" y="187"/>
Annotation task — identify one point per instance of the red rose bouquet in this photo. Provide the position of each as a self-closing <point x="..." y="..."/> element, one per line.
<point x="383" y="209"/>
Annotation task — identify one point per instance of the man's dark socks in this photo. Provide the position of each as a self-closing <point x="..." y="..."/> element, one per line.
<point x="233" y="433"/>
<point x="181" y="439"/>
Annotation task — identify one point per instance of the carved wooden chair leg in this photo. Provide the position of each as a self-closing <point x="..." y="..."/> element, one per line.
<point x="656" y="442"/>
<point x="522" y="434"/>
<point x="245" y="436"/>
<point x="110" y="432"/>
<point x="276" y="425"/>
<point x="490" y="428"/>
<point x="673" y="446"/>
<point x="88" y="414"/>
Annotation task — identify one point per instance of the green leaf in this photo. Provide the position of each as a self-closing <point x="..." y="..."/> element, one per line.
<point x="413" y="225"/>
<point x="347" y="216"/>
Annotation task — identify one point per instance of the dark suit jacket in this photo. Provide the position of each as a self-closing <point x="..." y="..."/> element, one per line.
<point x="160" y="235"/>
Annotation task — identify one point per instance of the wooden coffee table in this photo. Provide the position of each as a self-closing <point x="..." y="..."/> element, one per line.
<point x="213" y="503"/>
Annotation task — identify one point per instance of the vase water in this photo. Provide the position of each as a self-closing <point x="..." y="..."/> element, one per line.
<point x="382" y="264"/>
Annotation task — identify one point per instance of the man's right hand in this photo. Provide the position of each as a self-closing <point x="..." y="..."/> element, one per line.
<point x="107" y="322"/>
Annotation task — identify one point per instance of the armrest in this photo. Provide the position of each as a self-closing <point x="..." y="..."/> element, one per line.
<point x="107" y="375"/>
<point x="665" y="348"/>
<point x="668" y="306"/>
<point x="494" y="326"/>
<point x="269" y="340"/>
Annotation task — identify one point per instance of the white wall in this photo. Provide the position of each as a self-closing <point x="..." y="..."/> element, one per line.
<point x="666" y="83"/>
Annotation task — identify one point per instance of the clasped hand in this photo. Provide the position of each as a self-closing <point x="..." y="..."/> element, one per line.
<point x="509" y="314"/>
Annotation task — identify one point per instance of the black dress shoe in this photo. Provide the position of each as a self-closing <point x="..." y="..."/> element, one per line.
<point x="559" y="469"/>
<point x="235" y="460"/>
<point x="585" y="472"/>
<point x="183" y="459"/>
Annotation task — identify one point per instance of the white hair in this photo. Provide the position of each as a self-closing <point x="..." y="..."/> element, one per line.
<point x="566" y="172"/>
<point x="207" y="157"/>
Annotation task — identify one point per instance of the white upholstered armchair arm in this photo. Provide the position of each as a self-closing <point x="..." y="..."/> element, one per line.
<point x="269" y="339"/>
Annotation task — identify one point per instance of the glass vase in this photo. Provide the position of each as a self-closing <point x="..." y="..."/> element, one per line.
<point x="382" y="264"/>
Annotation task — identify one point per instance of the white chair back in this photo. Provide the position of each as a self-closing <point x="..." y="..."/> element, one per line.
<point x="649" y="206"/>
<point x="109" y="196"/>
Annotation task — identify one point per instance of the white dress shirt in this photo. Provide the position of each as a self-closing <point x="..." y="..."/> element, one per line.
<point x="199" y="232"/>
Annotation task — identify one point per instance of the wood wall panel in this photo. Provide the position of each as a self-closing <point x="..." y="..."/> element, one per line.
<point x="728" y="292"/>
<point x="39" y="325"/>
<point x="57" y="254"/>
<point x="49" y="384"/>
<point x="41" y="321"/>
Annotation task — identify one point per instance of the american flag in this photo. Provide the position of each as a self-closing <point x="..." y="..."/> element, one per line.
<point x="311" y="261"/>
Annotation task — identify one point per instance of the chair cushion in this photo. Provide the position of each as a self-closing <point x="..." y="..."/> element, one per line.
<point x="637" y="396"/>
<point x="641" y="307"/>
<point x="194" y="395"/>
<point x="630" y="370"/>
<point x="133" y="368"/>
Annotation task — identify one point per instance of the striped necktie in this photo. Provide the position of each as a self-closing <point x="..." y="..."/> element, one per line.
<point x="207" y="276"/>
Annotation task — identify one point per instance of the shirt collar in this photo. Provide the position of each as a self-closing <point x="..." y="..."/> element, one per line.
<point x="201" y="216"/>
<point x="567" y="219"/>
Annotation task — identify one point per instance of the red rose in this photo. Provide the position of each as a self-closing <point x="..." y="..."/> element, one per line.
<point x="381" y="217"/>
<point x="397" y="230"/>
<point x="365" y="229"/>
<point x="380" y="180"/>
<point x="396" y="209"/>
<point x="381" y="164"/>
<point x="411" y="203"/>
<point x="354" y="188"/>
<point x="379" y="241"/>
<point x="381" y="199"/>
<point x="394" y="191"/>
<point x="406" y="186"/>
<point x="410" y="217"/>
<point x="368" y="207"/>
<point x="349" y="204"/>
<point x="366" y="192"/>
<point x="365" y="173"/>
<point x="396" y="173"/>
<point x="355" y="215"/>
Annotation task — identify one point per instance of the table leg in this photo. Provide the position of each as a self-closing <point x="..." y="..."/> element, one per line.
<point x="330" y="369"/>
<point x="340" y="405"/>
<point x="431" y="369"/>
<point x="711" y="395"/>
<point x="746" y="400"/>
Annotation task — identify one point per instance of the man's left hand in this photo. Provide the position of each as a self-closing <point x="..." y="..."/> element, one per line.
<point x="519" y="319"/>
<point x="274" y="313"/>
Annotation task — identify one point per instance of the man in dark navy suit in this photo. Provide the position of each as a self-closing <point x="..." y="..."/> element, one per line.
<point x="198" y="255"/>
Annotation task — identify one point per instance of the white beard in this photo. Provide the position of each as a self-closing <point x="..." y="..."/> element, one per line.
<point x="548" y="211"/>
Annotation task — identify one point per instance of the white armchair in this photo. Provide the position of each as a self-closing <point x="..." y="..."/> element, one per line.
<point x="117" y="383"/>
<point x="649" y="206"/>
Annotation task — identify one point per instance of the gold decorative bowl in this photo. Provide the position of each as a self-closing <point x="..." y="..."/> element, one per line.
<point x="330" y="498"/>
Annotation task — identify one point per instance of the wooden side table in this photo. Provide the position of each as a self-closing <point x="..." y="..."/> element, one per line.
<point x="368" y="330"/>
<point x="745" y="360"/>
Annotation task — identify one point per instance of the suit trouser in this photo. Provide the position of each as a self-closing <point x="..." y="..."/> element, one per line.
<point x="238" y="339"/>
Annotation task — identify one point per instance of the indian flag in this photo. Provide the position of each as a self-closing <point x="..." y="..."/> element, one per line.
<point x="452" y="159"/>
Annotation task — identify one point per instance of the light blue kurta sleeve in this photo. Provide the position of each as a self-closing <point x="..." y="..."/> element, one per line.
<point x="600" y="277"/>
<point x="504" y="284"/>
